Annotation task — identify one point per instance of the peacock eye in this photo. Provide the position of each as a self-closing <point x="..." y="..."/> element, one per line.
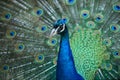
<point x="60" y="29"/>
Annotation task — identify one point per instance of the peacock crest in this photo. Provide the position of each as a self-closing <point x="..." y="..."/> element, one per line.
<point x="28" y="53"/>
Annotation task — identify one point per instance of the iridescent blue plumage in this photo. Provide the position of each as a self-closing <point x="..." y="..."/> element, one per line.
<point x="65" y="63"/>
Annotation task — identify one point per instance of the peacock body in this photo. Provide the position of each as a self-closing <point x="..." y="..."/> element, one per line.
<point x="65" y="61"/>
<point x="28" y="53"/>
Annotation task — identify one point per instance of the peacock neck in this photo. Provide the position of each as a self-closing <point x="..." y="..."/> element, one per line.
<point x="65" y="63"/>
<point x="65" y="51"/>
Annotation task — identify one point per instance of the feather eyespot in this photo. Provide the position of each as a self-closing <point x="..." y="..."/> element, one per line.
<point x="19" y="47"/>
<point x="70" y="2"/>
<point x="10" y="33"/>
<point x="85" y="14"/>
<point x="99" y="18"/>
<point x="116" y="54"/>
<point x="90" y="24"/>
<point x="116" y="7"/>
<point x="39" y="58"/>
<point x="114" y="28"/>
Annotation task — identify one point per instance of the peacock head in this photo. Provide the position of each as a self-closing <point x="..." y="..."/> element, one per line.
<point x="58" y="27"/>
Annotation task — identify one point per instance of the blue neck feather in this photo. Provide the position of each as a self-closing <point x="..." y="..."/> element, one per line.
<point x="65" y="63"/>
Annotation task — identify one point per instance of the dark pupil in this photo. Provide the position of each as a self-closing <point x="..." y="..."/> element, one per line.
<point x="98" y="18"/>
<point x="118" y="7"/>
<point x="5" y="67"/>
<point x="117" y="53"/>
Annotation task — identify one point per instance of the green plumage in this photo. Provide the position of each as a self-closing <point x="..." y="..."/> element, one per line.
<point x="88" y="51"/>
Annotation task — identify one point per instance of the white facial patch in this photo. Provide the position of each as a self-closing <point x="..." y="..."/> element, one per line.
<point x="63" y="28"/>
<point x="53" y="32"/>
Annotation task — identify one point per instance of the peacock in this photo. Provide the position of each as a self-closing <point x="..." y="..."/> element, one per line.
<point x="89" y="50"/>
<point x="65" y="62"/>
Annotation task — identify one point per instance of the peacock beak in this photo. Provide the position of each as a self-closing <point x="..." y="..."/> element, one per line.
<point x="53" y="32"/>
